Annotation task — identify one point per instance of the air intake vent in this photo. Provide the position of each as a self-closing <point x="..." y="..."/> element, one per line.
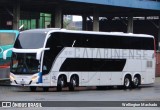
<point x="149" y="64"/>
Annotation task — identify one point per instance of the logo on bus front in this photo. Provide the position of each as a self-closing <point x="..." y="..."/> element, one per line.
<point x="1" y="50"/>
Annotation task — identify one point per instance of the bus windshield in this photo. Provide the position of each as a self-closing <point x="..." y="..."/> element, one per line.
<point x="25" y="63"/>
<point x="29" y="40"/>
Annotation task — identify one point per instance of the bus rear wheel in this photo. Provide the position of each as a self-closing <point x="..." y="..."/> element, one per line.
<point x="60" y="83"/>
<point x="73" y="83"/>
<point x="127" y="82"/>
<point x="136" y="82"/>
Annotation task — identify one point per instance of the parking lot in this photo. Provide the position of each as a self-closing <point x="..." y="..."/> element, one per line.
<point x="143" y="93"/>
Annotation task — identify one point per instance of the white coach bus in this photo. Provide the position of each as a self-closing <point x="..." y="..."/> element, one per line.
<point x="64" y="58"/>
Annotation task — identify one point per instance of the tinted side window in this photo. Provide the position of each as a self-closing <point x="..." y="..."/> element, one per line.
<point x="148" y="44"/>
<point x="73" y="39"/>
<point x="54" y="43"/>
<point x="106" y="41"/>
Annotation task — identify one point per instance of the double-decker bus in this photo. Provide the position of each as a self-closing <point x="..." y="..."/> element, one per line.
<point x="64" y="58"/>
<point x="7" y="39"/>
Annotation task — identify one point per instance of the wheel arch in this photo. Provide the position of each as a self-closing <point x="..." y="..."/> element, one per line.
<point x="64" y="76"/>
<point x="127" y="75"/>
<point x="74" y="75"/>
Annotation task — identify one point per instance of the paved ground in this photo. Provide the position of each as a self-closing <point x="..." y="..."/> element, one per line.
<point x="144" y="93"/>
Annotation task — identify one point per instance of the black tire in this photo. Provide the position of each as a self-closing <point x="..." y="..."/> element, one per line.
<point x="135" y="82"/>
<point x="120" y="87"/>
<point x="60" y="83"/>
<point x="32" y="89"/>
<point x="45" y="89"/>
<point x="73" y="83"/>
<point x="110" y="87"/>
<point x="127" y="82"/>
<point x="101" y="87"/>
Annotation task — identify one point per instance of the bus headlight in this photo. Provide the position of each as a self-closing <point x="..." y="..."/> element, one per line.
<point x="34" y="78"/>
<point x="11" y="77"/>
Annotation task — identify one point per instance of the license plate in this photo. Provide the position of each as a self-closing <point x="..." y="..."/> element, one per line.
<point x="22" y="82"/>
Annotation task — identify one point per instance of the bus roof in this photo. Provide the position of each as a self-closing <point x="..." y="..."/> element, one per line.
<point x="52" y="30"/>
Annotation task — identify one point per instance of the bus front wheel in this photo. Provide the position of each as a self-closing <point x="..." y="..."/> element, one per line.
<point x="60" y="83"/>
<point x="45" y="89"/>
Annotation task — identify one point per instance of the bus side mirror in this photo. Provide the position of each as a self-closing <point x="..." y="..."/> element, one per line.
<point x="5" y="53"/>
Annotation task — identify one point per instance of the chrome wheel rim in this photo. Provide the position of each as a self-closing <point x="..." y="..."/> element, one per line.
<point x="74" y="82"/>
<point x="62" y="83"/>
<point x="136" y="81"/>
<point x="126" y="82"/>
